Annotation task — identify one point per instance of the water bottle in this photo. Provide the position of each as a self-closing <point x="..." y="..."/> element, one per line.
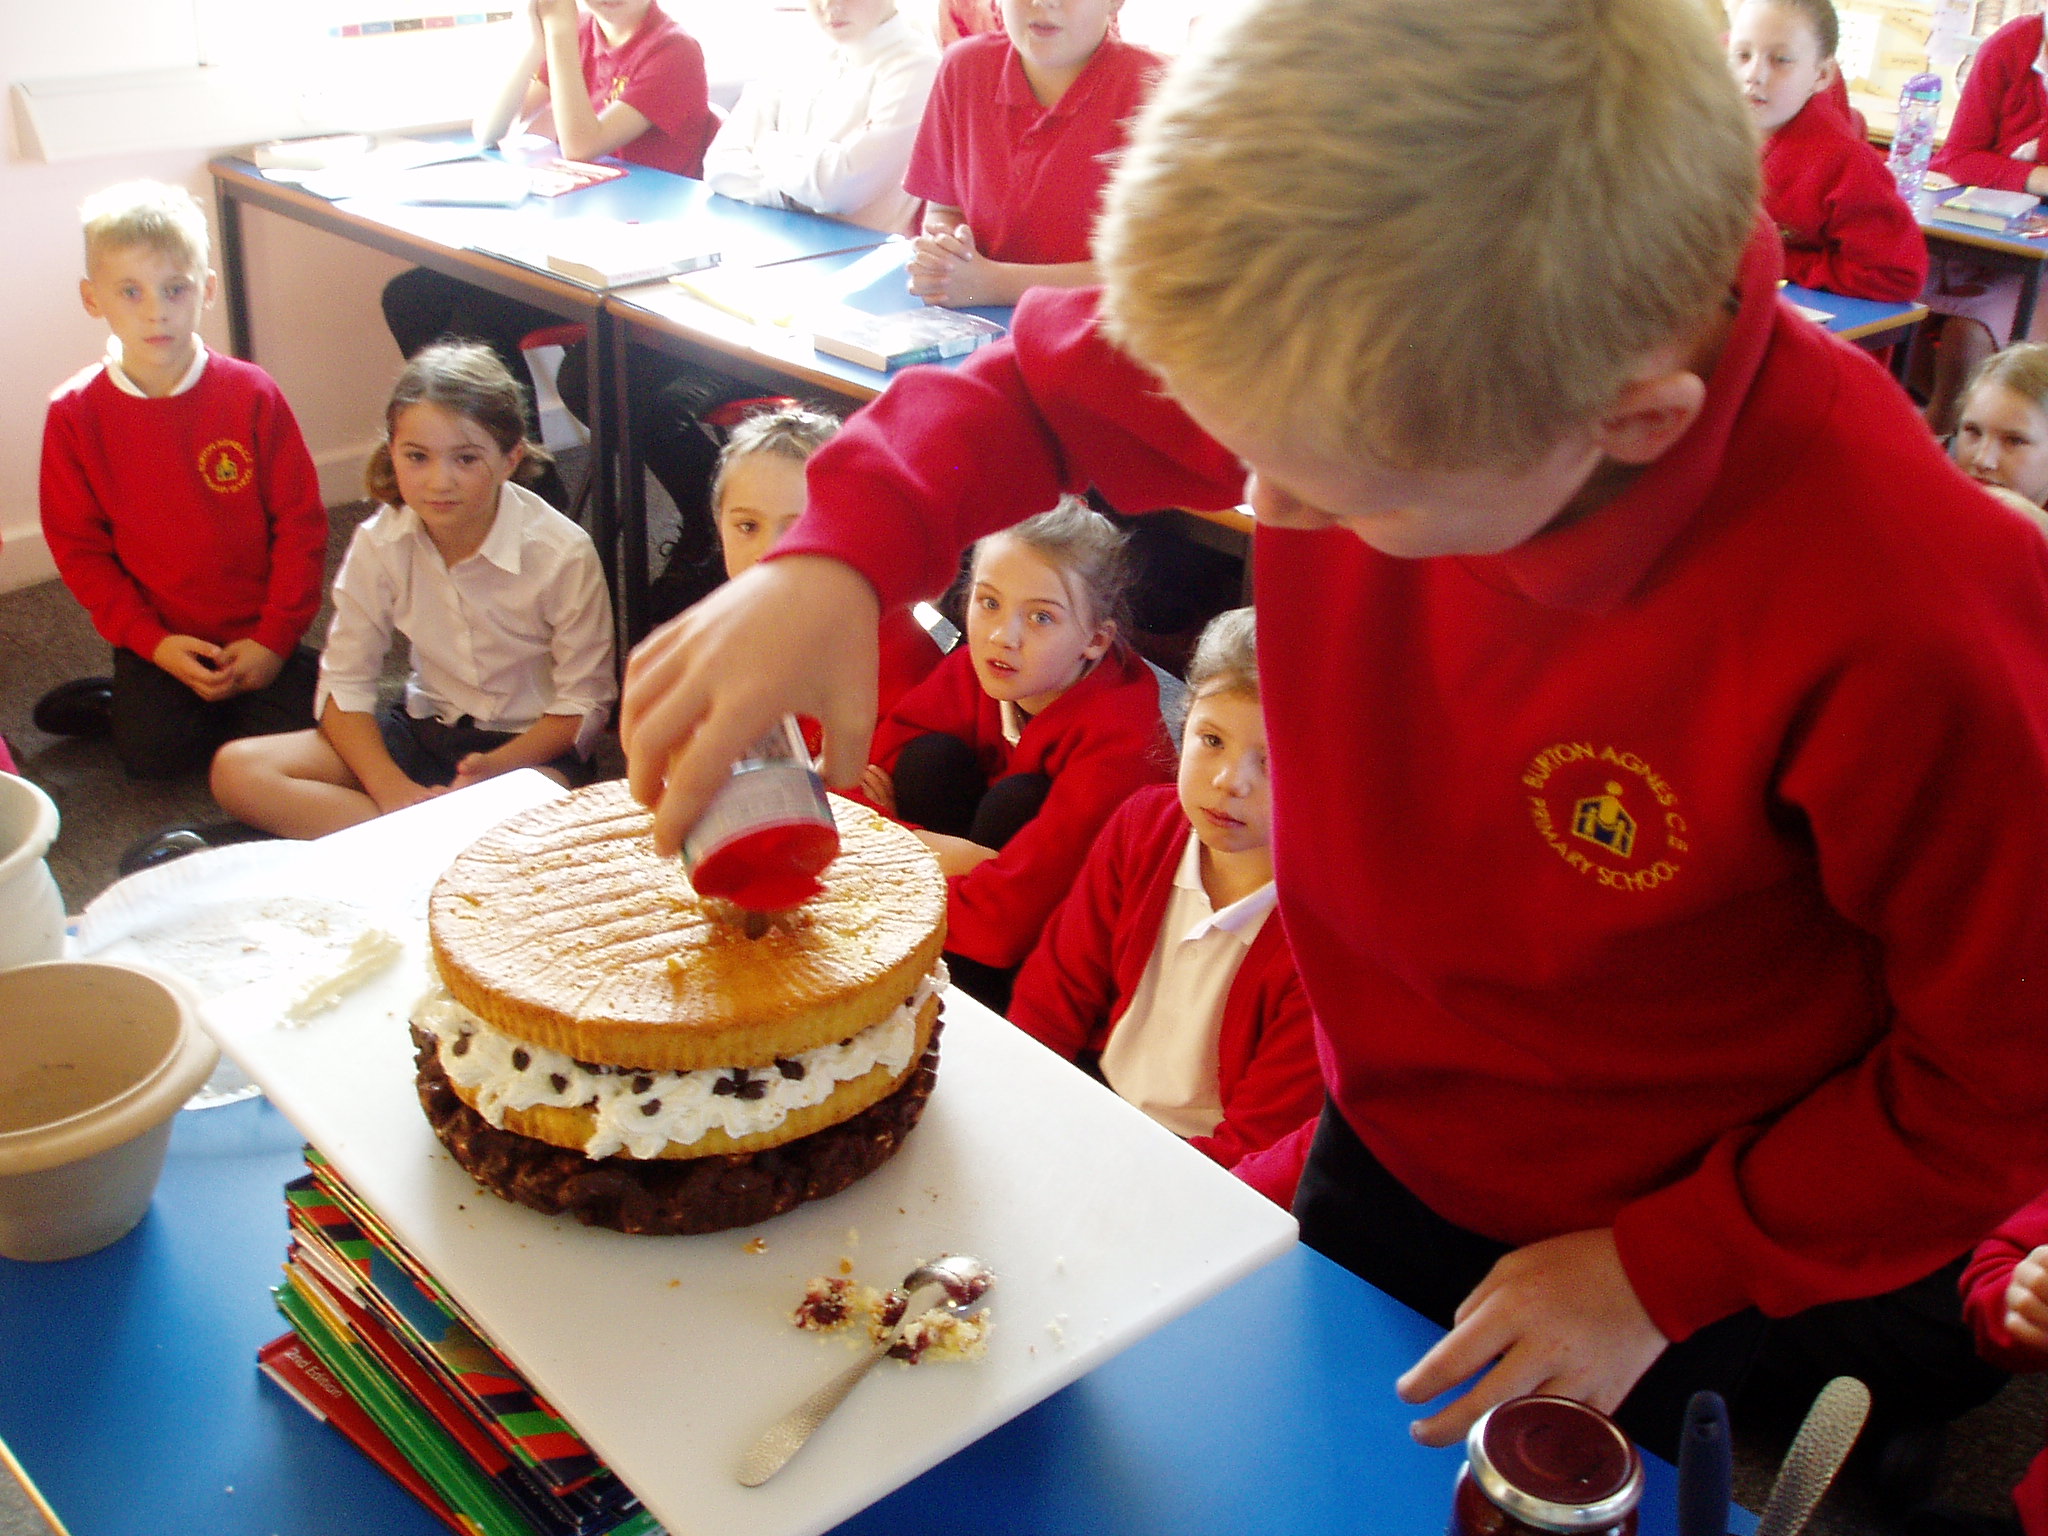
<point x="1913" y="142"/>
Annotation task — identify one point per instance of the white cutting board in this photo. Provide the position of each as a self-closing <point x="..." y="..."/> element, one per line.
<point x="670" y="1355"/>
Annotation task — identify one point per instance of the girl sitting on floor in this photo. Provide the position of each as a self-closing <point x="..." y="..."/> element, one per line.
<point x="1165" y="963"/>
<point x="1014" y="752"/>
<point x="501" y="597"/>
<point x="757" y="492"/>
<point x="2001" y="438"/>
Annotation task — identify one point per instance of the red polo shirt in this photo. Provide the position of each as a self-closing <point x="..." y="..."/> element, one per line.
<point x="659" y="73"/>
<point x="1029" y="178"/>
<point x="1677" y="871"/>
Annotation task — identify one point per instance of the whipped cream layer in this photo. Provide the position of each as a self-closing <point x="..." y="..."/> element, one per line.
<point x="641" y="1112"/>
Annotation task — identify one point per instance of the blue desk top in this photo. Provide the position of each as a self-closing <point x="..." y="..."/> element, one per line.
<point x="129" y="1391"/>
<point x="1855" y="317"/>
<point x="655" y="308"/>
<point x="1932" y="223"/>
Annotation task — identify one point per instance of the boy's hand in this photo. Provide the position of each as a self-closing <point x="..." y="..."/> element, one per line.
<point x="880" y="789"/>
<point x="1557" y="1316"/>
<point x="196" y="663"/>
<point x="251" y="665"/>
<point x="794" y="636"/>
<point x="2026" y="1303"/>
<point x="945" y="268"/>
<point x="957" y="855"/>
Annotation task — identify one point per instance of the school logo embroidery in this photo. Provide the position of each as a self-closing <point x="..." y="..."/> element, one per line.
<point x="227" y="466"/>
<point x="1607" y="814"/>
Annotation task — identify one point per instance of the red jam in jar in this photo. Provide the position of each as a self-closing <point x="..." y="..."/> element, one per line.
<point x="1537" y="1466"/>
<point x="768" y="834"/>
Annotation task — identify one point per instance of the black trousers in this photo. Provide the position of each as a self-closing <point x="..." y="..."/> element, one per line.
<point x="162" y="729"/>
<point x="1910" y="1346"/>
<point x="1355" y="1212"/>
<point x="940" y="785"/>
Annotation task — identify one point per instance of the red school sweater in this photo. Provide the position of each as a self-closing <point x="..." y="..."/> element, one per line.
<point x="1845" y="227"/>
<point x="1984" y="1284"/>
<point x="1677" y="871"/>
<point x="1097" y="742"/>
<point x="2003" y="108"/>
<point x="192" y="514"/>
<point x="1080" y="980"/>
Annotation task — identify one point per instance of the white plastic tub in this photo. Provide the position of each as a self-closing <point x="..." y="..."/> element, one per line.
<point x="31" y="910"/>
<point x="95" y="1060"/>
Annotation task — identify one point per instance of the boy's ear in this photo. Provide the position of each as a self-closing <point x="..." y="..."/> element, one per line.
<point x="211" y="290"/>
<point x="1828" y="70"/>
<point x="1649" y="415"/>
<point x="85" y="297"/>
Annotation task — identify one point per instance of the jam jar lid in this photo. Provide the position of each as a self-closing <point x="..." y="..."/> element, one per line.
<point x="1555" y="1464"/>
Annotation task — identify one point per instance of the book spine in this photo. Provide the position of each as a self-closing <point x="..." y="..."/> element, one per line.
<point x="426" y="1445"/>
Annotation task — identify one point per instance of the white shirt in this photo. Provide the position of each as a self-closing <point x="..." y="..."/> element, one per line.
<point x="1162" y="1053"/>
<point x="117" y="374"/>
<point x="520" y="629"/>
<point x="833" y="133"/>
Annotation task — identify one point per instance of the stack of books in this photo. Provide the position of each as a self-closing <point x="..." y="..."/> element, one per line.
<point x="381" y="1352"/>
<point x="1989" y="208"/>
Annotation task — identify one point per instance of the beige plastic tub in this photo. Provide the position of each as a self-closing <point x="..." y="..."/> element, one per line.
<point x="95" y="1060"/>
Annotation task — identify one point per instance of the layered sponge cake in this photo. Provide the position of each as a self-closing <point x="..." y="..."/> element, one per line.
<point x="607" y="1043"/>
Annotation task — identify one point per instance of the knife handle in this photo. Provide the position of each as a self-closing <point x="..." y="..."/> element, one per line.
<point x="1704" y="1467"/>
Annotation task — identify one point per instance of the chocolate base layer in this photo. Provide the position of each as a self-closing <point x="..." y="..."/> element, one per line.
<point x="672" y="1197"/>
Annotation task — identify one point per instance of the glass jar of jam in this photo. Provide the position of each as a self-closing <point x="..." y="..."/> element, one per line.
<point x="1541" y="1465"/>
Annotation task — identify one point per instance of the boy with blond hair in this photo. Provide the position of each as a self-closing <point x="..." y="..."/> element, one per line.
<point x="1658" y="725"/>
<point x="179" y="502"/>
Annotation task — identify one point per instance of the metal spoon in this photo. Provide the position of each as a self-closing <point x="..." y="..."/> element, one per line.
<point x="1817" y="1454"/>
<point x="953" y="1281"/>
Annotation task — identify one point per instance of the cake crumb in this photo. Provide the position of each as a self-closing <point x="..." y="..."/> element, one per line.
<point x="756" y="1245"/>
<point x="831" y="1302"/>
<point x="674" y="1283"/>
<point x="846" y="1266"/>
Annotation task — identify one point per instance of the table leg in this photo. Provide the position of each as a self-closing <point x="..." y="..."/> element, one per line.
<point x="2030" y="289"/>
<point x="234" y="276"/>
<point x="1902" y="351"/>
<point x="602" y="423"/>
<point x="631" y="506"/>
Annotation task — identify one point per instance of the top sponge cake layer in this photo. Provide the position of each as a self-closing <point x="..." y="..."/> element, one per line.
<point x="563" y="927"/>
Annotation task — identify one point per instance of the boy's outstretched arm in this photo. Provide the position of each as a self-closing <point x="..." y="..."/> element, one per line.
<point x="1558" y="1316"/>
<point x="790" y="636"/>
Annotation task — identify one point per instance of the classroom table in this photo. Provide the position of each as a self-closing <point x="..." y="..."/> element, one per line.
<point x="129" y="1392"/>
<point x="2005" y="252"/>
<point x="471" y="244"/>
<point x="780" y="359"/>
<point x="1867" y="322"/>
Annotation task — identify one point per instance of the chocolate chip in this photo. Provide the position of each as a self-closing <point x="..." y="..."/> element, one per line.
<point x="642" y="1083"/>
<point x="651" y="1107"/>
<point x="521" y="1061"/>
<point x="460" y="1046"/>
<point x="753" y="1088"/>
<point x="793" y="1070"/>
<point x="757" y="925"/>
<point x="558" y="1082"/>
<point x="725" y="1087"/>
<point x="910" y="1001"/>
